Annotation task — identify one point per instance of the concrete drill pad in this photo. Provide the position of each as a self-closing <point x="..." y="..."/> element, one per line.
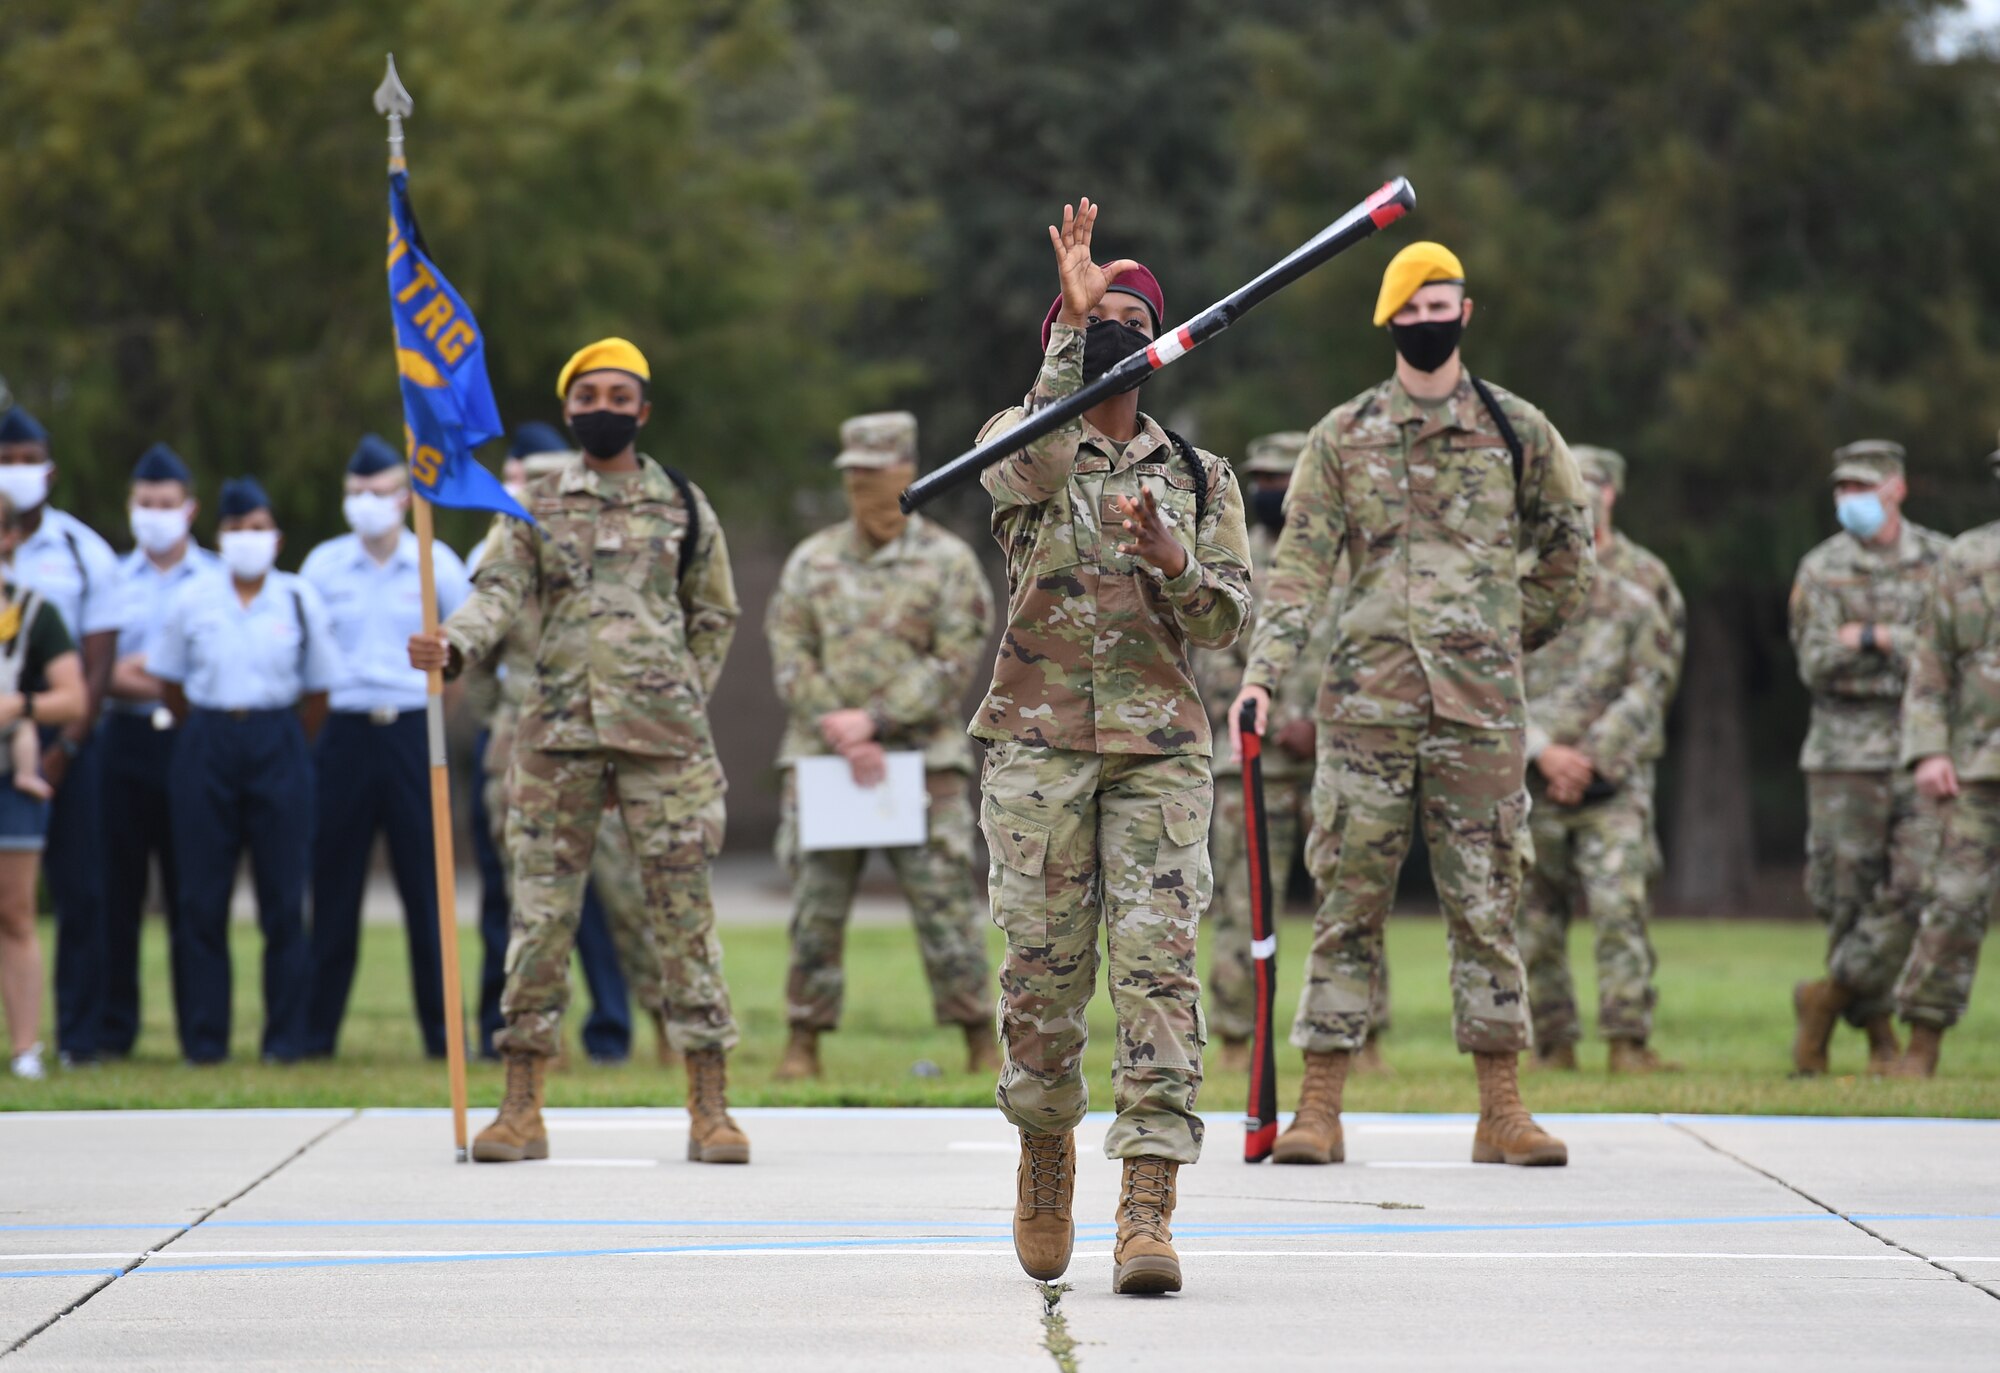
<point x="880" y="1239"/>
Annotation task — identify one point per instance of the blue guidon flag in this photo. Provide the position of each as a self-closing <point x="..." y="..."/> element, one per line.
<point x="448" y="407"/>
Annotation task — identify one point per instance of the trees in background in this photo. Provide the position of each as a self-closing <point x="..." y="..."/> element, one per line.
<point x="1720" y="235"/>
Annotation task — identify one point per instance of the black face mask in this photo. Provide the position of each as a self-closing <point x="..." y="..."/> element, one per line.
<point x="604" y="433"/>
<point x="1268" y="507"/>
<point x="1108" y="343"/>
<point x="1428" y="346"/>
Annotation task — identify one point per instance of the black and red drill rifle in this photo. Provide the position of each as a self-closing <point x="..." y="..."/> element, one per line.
<point x="1260" y="1124"/>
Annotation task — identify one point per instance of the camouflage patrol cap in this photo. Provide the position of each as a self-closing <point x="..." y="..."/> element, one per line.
<point x="888" y="439"/>
<point x="1868" y="460"/>
<point x="1600" y="466"/>
<point x="1275" y="454"/>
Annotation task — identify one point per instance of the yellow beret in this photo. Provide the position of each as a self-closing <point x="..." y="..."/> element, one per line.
<point x="616" y="353"/>
<point x="1417" y="265"/>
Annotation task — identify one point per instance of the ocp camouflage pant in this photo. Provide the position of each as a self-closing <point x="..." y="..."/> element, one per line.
<point x="673" y="811"/>
<point x="614" y="870"/>
<point x="1593" y="860"/>
<point x="936" y="878"/>
<point x="1231" y="984"/>
<point x="1373" y="785"/>
<point x="1937" y="981"/>
<point x="1087" y="845"/>
<point x="1869" y="856"/>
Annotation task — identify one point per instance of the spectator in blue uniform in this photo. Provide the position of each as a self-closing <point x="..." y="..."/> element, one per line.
<point x="372" y="762"/>
<point x="75" y="570"/>
<point x="41" y="681"/>
<point x="244" y="659"/>
<point x="139" y="734"/>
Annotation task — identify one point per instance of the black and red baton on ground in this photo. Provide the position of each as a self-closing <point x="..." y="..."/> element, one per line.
<point x="1260" y="1125"/>
<point x="1378" y="211"/>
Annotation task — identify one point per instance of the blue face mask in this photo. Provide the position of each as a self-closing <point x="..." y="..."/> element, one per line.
<point x="1860" y="513"/>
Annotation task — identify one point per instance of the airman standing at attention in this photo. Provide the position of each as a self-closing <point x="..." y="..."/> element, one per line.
<point x="1230" y="986"/>
<point x="875" y="628"/>
<point x="1856" y="607"/>
<point x="1951" y="738"/>
<point x="1425" y="486"/>
<point x="1595" y="702"/>
<point x="629" y="572"/>
<point x="1125" y="549"/>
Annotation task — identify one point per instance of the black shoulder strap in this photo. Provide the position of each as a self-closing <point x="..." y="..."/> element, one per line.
<point x="305" y="639"/>
<point x="82" y="571"/>
<point x="1200" y="474"/>
<point x="1507" y="434"/>
<point x="693" y="535"/>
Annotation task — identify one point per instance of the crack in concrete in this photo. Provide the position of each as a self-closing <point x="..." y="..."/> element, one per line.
<point x="181" y="1233"/>
<point x="1056" y="1339"/>
<point x="1310" y="1201"/>
<point x="1832" y="1210"/>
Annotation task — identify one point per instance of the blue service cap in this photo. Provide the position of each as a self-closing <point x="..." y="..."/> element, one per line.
<point x="240" y="496"/>
<point x="373" y="454"/>
<point x="532" y="437"/>
<point x="161" y="464"/>
<point x="18" y="426"/>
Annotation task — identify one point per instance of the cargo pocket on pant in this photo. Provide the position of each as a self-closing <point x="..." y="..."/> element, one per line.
<point x="1183" y="883"/>
<point x="1323" y="839"/>
<point x="1020" y="893"/>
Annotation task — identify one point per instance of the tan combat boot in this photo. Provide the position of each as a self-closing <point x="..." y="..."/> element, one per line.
<point x="1235" y="1056"/>
<point x="1553" y="1058"/>
<point x="1506" y="1133"/>
<point x="1369" y="1062"/>
<point x="1632" y="1056"/>
<point x="712" y="1136"/>
<point x="1044" y="1186"/>
<point x="1144" y="1259"/>
<point x="1314" y="1136"/>
<point x="663" y="1046"/>
<point x="517" y="1132"/>
<point x="982" y="1051"/>
<point x="1921" y="1058"/>
<point x="1817" y="1005"/>
<point x="1883" y="1050"/>
<point x="801" y="1060"/>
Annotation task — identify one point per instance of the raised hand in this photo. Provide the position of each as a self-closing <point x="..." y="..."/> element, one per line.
<point x="1084" y="282"/>
<point x="1148" y="534"/>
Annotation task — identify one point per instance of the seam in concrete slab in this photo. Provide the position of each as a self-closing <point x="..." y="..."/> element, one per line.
<point x="1056" y="1339"/>
<point x="184" y="1230"/>
<point x="1829" y="1208"/>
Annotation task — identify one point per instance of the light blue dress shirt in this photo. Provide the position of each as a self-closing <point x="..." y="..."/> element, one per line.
<point x="229" y="656"/>
<point x="375" y="608"/>
<point x="148" y="593"/>
<point x="76" y="572"/>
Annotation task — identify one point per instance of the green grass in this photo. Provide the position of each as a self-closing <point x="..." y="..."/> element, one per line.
<point x="1725" y="1012"/>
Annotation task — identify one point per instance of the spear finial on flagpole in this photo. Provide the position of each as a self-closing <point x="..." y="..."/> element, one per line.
<point x="392" y="100"/>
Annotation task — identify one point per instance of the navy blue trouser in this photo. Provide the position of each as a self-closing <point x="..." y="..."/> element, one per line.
<point x="608" y="1031"/>
<point x="73" y="864"/>
<point x="138" y="760"/>
<point x="242" y="781"/>
<point x="372" y="778"/>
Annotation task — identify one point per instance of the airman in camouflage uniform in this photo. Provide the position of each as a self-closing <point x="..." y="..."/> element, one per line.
<point x="496" y="689"/>
<point x="1855" y="609"/>
<point x="1459" y="564"/>
<point x="1595" y="700"/>
<point x="633" y="634"/>
<point x="1125" y="548"/>
<point x="1951" y="736"/>
<point x="874" y="631"/>
<point x="1230" y="986"/>
<point x="1627" y="558"/>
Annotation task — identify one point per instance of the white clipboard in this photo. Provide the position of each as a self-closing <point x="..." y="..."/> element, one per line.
<point x="834" y="813"/>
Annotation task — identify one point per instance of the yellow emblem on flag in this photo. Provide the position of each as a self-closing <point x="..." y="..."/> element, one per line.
<point x="418" y="368"/>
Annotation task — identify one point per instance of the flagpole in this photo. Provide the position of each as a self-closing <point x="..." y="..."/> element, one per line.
<point x="394" y="102"/>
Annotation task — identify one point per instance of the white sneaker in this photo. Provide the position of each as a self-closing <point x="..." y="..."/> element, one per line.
<point x="28" y="1064"/>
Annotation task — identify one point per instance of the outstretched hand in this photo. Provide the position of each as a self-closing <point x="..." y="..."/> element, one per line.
<point x="1084" y="282"/>
<point x="1148" y="535"/>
